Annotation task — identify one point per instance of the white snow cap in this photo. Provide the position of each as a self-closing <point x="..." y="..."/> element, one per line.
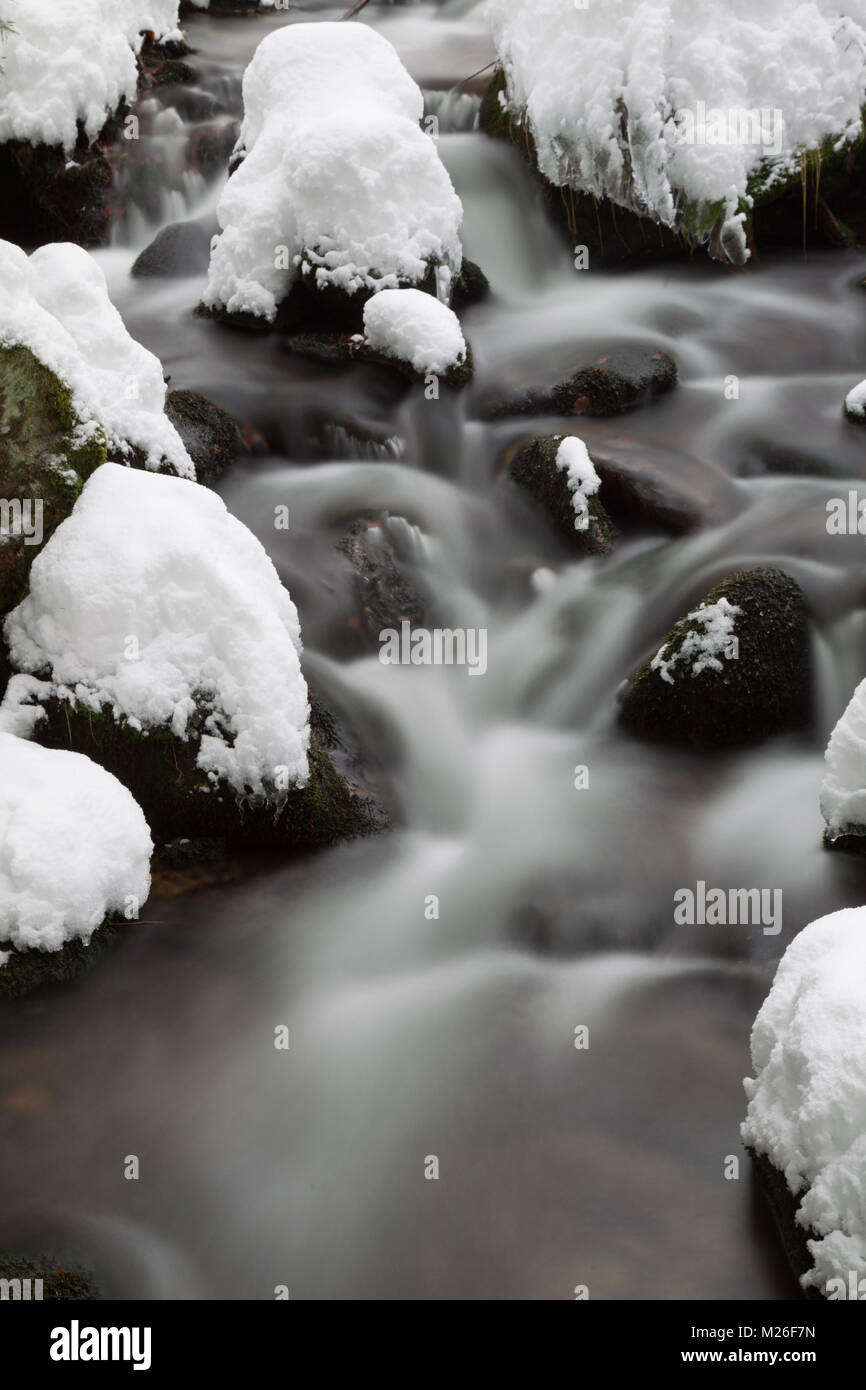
<point x="73" y="60"/>
<point x="704" y="643"/>
<point x="676" y="102"/>
<point x="855" y="401"/>
<point x="336" y="166"/>
<point x="55" y="302"/>
<point x="74" y="846"/>
<point x="152" y="600"/>
<point x="416" y="328"/>
<point x="843" y="791"/>
<point x="572" y="457"/>
<point x="807" y="1103"/>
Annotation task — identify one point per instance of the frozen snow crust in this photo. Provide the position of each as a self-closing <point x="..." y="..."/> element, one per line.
<point x="337" y="177"/>
<point x="807" y="1101"/>
<point x="74" y="847"/>
<point x="682" y="110"/>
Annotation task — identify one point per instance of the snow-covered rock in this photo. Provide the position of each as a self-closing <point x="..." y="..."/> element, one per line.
<point x="416" y="328"/>
<point x="682" y="110"/>
<point x="151" y="602"/>
<point x="843" y="791"/>
<point x="855" y="402"/>
<point x="56" y="304"/>
<point x="583" y="482"/>
<point x="807" y="1101"/>
<point x="74" y="847"/>
<point x="71" y="61"/>
<point x="337" y="179"/>
<point x="735" y="669"/>
<point x="708" y="638"/>
<point x="558" y="473"/>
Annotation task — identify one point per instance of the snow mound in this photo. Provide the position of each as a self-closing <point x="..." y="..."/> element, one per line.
<point x="416" y="328"/>
<point x="153" y="601"/>
<point x="704" y="644"/>
<point x="573" y="458"/>
<point x="843" y="791"/>
<point x="55" y="302"/>
<point x="74" y="846"/>
<point x="336" y="173"/>
<point x="807" y="1103"/>
<point x="73" y="60"/>
<point x="677" y="109"/>
<point x="855" y="401"/>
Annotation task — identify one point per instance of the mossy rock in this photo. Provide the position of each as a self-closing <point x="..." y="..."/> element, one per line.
<point x="764" y="687"/>
<point x="50" y="197"/>
<point x="535" y="469"/>
<point x="178" y="800"/>
<point x="614" y="383"/>
<point x="210" y="436"/>
<point x="26" y="971"/>
<point x="784" y="1205"/>
<point x="494" y="118"/>
<point x="73" y="1285"/>
<point x="470" y="287"/>
<point x="42" y="460"/>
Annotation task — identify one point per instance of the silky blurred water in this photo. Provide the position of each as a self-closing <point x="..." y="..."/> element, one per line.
<point x="411" y="1035"/>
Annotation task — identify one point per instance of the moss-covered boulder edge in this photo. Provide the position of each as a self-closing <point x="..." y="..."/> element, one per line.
<point x="764" y="686"/>
<point x="821" y="204"/>
<point x="784" y="1206"/>
<point x="50" y="195"/>
<point x="59" y="1283"/>
<point x="535" y="470"/>
<point x="46" y="455"/>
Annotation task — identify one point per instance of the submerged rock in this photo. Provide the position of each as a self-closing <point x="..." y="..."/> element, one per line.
<point x="614" y="383"/>
<point x="383" y="595"/>
<point x="536" y="469"/>
<point x="736" y="670"/>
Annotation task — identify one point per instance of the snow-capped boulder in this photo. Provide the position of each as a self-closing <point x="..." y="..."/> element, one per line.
<point x="75" y="389"/>
<point x="686" y="114"/>
<point x="735" y="670"/>
<point x="843" y="791"/>
<point x="336" y="189"/>
<point x="417" y="329"/>
<point x="69" y="69"/>
<point x="74" y="849"/>
<point x="855" y="404"/>
<point x="557" y="471"/>
<point x="157" y="638"/>
<point x="806" y="1118"/>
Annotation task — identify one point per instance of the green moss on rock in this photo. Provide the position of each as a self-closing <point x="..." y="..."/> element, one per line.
<point x="535" y="469"/>
<point x="45" y="457"/>
<point x="209" y="434"/>
<point x="26" y="971"/>
<point x="180" y="802"/>
<point x="762" y="690"/>
<point x="58" y="1283"/>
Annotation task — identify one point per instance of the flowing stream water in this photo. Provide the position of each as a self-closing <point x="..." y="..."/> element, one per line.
<point x="455" y="1037"/>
